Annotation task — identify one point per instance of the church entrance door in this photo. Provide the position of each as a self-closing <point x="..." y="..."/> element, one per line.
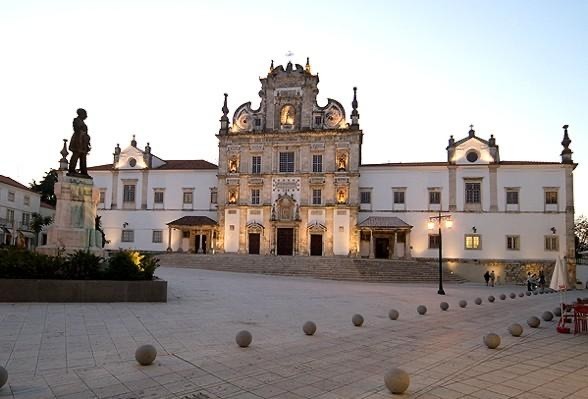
<point x="285" y="241"/>
<point x="254" y="239"/>
<point x="316" y="245"/>
<point x="382" y="248"/>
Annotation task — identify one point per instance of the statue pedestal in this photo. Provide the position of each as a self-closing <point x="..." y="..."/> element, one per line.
<point x="74" y="227"/>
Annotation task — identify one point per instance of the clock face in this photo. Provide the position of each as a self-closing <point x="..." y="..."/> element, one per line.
<point x="333" y="118"/>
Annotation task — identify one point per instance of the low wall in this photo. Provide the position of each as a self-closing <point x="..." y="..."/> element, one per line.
<point x="30" y="290"/>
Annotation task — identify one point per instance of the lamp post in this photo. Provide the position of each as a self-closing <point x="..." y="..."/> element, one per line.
<point x="431" y="225"/>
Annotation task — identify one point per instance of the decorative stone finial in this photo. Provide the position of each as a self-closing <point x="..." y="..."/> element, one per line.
<point x="472" y="132"/>
<point x="116" y="154"/>
<point x="224" y="120"/>
<point x="272" y="66"/>
<point x="148" y="148"/>
<point x="492" y="141"/>
<point x="451" y="141"/>
<point x="289" y="66"/>
<point x="493" y="149"/>
<point x="450" y="149"/>
<point x="63" y="163"/>
<point x="566" y="154"/>
<point x="133" y="141"/>
<point x="147" y="155"/>
<point x="307" y="67"/>
<point x="354" y="113"/>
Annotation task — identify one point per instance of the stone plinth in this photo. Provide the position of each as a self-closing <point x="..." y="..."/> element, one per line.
<point x="74" y="227"/>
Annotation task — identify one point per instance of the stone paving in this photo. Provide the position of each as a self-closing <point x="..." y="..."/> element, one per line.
<point x="87" y="350"/>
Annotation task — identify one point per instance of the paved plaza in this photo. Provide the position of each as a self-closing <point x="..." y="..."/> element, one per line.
<point x="87" y="350"/>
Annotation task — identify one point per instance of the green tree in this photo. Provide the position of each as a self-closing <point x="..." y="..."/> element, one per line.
<point x="37" y="223"/>
<point x="46" y="187"/>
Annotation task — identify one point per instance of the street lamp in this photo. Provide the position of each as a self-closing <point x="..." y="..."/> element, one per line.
<point x="436" y="220"/>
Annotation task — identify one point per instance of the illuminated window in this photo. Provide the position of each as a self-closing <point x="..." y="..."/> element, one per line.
<point x="473" y="241"/>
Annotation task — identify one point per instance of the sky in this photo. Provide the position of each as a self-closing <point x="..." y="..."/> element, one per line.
<point x="424" y="69"/>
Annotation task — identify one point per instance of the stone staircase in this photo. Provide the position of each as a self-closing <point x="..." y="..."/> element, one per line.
<point x="333" y="268"/>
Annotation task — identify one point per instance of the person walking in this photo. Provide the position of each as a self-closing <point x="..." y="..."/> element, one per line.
<point x="492" y="278"/>
<point x="541" y="279"/>
<point x="487" y="277"/>
<point x="529" y="282"/>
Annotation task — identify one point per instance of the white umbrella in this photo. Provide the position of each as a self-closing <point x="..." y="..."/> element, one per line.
<point x="559" y="281"/>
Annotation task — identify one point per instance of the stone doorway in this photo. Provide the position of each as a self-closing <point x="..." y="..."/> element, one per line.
<point x="254" y="241"/>
<point x="382" y="250"/>
<point x="285" y="241"/>
<point x="316" y="245"/>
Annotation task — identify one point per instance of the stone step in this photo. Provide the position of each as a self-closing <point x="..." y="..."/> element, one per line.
<point x="334" y="268"/>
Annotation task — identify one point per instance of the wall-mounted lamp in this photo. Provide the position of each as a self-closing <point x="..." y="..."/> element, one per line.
<point x="474" y="229"/>
<point x="553" y="230"/>
<point x="125" y="224"/>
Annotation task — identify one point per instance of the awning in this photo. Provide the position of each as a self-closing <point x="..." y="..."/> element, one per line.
<point x="384" y="222"/>
<point x="27" y="234"/>
<point x="193" y="221"/>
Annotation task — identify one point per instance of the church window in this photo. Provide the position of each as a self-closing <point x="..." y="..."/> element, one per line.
<point x="317" y="197"/>
<point x="256" y="164"/>
<point x="128" y="236"/>
<point x="472" y="156"/>
<point x="129" y="193"/>
<point x="399" y="197"/>
<point x="255" y="200"/>
<point x="551" y="243"/>
<point x="187" y="197"/>
<point x="472" y="193"/>
<point x="286" y="162"/>
<point x="365" y="197"/>
<point x="317" y="163"/>
<point x="158" y="197"/>
<point x="434" y="197"/>
<point x="551" y="197"/>
<point x="434" y="241"/>
<point x="213" y="195"/>
<point x="287" y="115"/>
<point x="257" y="122"/>
<point x="317" y="120"/>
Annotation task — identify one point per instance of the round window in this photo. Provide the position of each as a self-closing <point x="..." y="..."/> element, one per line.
<point x="472" y="156"/>
<point x="132" y="162"/>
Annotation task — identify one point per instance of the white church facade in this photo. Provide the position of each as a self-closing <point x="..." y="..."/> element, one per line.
<point x="290" y="181"/>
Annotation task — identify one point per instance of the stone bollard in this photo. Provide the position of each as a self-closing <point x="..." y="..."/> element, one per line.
<point x="397" y="381"/>
<point x="309" y="328"/>
<point x="145" y="354"/>
<point x="491" y="340"/>
<point x="421" y="309"/>
<point x="393" y="314"/>
<point x="243" y="338"/>
<point x="444" y="306"/>
<point x="515" y="330"/>
<point x="357" y="320"/>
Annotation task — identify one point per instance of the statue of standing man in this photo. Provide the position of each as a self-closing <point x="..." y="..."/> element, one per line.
<point x="79" y="144"/>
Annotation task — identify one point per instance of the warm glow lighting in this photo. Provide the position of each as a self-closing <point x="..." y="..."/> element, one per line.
<point x="449" y="223"/>
<point x="431" y="225"/>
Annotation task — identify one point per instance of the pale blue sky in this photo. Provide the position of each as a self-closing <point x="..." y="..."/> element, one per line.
<point x="424" y="70"/>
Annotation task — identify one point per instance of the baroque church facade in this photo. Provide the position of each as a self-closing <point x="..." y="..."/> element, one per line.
<point x="290" y="181"/>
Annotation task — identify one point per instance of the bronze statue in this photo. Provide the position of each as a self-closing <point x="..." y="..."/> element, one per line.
<point x="79" y="144"/>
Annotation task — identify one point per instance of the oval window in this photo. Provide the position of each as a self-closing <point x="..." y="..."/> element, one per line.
<point x="132" y="162"/>
<point x="472" y="156"/>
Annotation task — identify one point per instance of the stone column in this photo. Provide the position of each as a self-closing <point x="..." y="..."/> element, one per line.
<point x="493" y="168"/>
<point x="393" y="255"/>
<point x="144" y="188"/>
<point x="452" y="169"/>
<point x="169" y="237"/>
<point x="407" y="252"/>
<point x="113" y="203"/>
<point x="200" y="249"/>
<point x="371" y="255"/>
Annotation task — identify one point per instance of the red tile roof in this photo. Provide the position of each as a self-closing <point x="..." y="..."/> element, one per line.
<point x="172" y="164"/>
<point x="445" y="163"/>
<point x="7" y="180"/>
<point x="193" y="221"/>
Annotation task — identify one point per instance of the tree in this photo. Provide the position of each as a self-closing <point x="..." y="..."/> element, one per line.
<point x="37" y="223"/>
<point x="581" y="232"/>
<point x="46" y="187"/>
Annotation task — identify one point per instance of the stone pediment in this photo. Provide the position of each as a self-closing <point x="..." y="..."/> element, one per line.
<point x="131" y="158"/>
<point x="473" y="150"/>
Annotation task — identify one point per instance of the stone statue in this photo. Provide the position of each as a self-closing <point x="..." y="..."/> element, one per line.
<point x="79" y="144"/>
<point x="98" y="227"/>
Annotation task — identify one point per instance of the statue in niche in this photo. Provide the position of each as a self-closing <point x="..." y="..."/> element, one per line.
<point x="287" y="115"/>
<point x="341" y="163"/>
<point x="274" y="212"/>
<point x="79" y="145"/>
<point x="232" y="197"/>
<point x="233" y="165"/>
<point x="341" y="196"/>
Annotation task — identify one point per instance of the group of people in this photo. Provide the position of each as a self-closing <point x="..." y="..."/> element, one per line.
<point x="533" y="282"/>
<point x="490" y="278"/>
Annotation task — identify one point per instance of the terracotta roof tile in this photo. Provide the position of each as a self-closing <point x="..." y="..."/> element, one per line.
<point x="172" y="164"/>
<point x="384" y="222"/>
<point x="7" y="180"/>
<point x="193" y="221"/>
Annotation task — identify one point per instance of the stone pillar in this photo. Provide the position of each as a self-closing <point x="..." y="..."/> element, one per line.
<point x="74" y="226"/>
<point x="570" y="245"/>
<point x="452" y="169"/>
<point x="144" y="187"/>
<point x="200" y="249"/>
<point x="493" y="168"/>
<point x="371" y="255"/>
<point x="407" y="251"/>
<point x="393" y="254"/>
<point x="113" y="203"/>
<point x="169" y="236"/>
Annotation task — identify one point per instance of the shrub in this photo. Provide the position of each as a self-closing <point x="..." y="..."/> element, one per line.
<point x="132" y="265"/>
<point x="82" y="265"/>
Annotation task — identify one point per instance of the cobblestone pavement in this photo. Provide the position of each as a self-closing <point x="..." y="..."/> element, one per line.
<point x="87" y="350"/>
